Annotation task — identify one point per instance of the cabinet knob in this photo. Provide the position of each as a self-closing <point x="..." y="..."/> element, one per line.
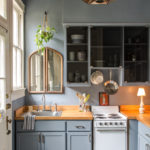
<point x="43" y="139"/>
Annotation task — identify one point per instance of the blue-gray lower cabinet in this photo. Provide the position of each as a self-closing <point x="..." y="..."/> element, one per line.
<point x="55" y="135"/>
<point x="143" y="144"/>
<point x="53" y="141"/>
<point x="28" y="141"/>
<point x="143" y="137"/>
<point x="133" y="134"/>
<point x="79" y="141"/>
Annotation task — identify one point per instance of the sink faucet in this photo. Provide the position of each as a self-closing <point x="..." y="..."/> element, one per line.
<point x="44" y="102"/>
<point x="55" y="107"/>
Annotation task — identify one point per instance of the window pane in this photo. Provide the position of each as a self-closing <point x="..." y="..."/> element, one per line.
<point x="2" y="56"/>
<point x="2" y="93"/>
<point x="3" y="8"/>
<point x="14" y="68"/>
<point x="15" y="28"/>
<point x="19" y="67"/>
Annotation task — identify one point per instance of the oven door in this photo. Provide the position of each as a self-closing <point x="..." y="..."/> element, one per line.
<point x="110" y="139"/>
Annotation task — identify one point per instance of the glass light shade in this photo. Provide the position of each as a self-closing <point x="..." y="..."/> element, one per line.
<point x="141" y="92"/>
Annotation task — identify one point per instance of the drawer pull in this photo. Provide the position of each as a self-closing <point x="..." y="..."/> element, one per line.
<point x="90" y="139"/>
<point x="146" y="147"/>
<point x="43" y="139"/>
<point x="39" y="138"/>
<point x="147" y="135"/>
<point x="80" y="127"/>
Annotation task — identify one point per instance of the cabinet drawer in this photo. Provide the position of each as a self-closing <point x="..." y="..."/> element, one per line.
<point x="79" y="126"/>
<point x="44" y="126"/>
<point x="144" y="131"/>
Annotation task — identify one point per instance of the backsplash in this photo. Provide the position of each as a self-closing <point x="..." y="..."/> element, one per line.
<point x="57" y="13"/>
<point x="124" y="96"/>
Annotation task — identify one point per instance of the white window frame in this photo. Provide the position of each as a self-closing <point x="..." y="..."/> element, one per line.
<point x="3" y="34"/>
<point x="4" y="21"/>
<point x="18" y="92"/>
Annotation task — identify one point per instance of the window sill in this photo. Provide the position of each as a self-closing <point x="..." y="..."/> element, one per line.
<point x="18" y="93"/>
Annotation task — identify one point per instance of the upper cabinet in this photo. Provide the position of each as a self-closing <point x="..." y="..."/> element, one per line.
<point x="46" y="72"/>
<point x="77" y="55"/>
<point x="122" y="49"/>
<point x="136" y="54"/>
<point x="106" y="46"/>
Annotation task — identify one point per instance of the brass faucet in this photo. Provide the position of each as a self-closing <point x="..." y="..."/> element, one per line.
<point x="55" y="107"/>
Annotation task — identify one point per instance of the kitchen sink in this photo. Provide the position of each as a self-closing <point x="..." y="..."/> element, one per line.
<point x="46" y="113"/>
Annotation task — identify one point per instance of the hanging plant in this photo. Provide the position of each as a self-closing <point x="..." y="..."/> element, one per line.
<point x="44" y="34"/>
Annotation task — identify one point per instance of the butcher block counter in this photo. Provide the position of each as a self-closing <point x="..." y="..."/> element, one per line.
<point x="132" y="112"/>
<point x="68" y="113"/>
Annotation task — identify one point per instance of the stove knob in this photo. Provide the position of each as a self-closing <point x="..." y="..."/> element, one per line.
<point x="105" y="123"/>
<point x="116" y="123"/>
<point x="100" y="124"/>
<point x="121" y="123"/>
<point x="111" y="123"/>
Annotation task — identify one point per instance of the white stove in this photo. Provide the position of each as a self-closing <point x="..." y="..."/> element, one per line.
<point x="110" y="128"/>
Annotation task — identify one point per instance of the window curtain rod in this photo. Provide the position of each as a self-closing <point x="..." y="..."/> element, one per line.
<point x="4" y="28"/>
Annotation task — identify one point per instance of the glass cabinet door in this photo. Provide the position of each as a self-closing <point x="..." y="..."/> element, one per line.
<point x="106" y="46"/>
<point x="136" y="54"/>
<point x="77" y="55"/>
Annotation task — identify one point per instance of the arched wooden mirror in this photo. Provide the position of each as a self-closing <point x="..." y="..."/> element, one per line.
<point x="46" y="72"/>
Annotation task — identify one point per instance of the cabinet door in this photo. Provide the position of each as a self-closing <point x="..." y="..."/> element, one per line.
<point x="133" y="134"/>
<point x="143" y="144"/>
<point x="28" y="141"/>
<point x="79" y="141"/>
<point x="136" y="54"/>
<point x="53" y="141"/>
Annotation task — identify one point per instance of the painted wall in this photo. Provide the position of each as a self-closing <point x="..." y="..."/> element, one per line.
<point x="120" y="11"/>
<point x="60" y="11"/>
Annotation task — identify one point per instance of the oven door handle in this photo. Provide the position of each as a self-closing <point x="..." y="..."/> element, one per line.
<point x="119" y="130"/>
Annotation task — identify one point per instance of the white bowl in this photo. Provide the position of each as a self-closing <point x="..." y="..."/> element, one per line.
<point x="77" y="37"/>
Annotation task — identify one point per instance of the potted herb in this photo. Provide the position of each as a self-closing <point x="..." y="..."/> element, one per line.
<point x="44" y="34"/>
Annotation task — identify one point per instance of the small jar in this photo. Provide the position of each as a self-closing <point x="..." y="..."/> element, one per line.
<point x="81" y="56"/>
<point x="77" y="76"/>
<point x="71" y="56"/>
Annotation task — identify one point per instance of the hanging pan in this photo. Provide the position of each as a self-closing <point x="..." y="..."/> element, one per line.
<point x="97" y="78"/>
<point x="111" y="87"/>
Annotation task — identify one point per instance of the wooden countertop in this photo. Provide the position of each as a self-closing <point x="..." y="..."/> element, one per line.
<point x="132" y="112"/>
<point x="68" y="113"/>
<point x="73" y="113"/>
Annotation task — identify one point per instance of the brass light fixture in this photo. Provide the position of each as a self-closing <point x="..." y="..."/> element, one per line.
<point x="96" y="2"/>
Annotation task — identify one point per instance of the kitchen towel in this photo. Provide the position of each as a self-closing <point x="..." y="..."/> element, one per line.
<point x="29" y="122"/>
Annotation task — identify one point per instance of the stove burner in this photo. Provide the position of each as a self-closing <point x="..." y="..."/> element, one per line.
<point x="115" y="117"/>
<point x="101" y="117"/>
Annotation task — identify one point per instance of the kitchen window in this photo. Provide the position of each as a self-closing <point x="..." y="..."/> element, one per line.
<point x="2" y="71"/>
<point x="18" y="52"/>
<point x="3" y="12"/>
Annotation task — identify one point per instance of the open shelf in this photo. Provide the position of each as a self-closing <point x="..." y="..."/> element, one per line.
<point x="77" y="44"/>
<point x="77" y="61"/>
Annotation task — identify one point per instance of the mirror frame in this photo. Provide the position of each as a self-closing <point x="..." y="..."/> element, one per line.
<point x="45" y="73"/>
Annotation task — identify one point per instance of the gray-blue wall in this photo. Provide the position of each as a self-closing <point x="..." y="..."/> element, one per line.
<point x="59" y="11"/>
